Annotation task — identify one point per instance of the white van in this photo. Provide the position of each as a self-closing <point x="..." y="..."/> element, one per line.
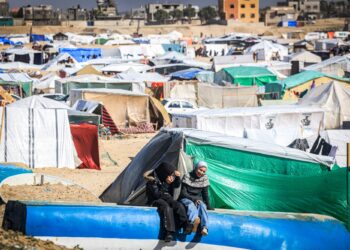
<point x="315" y="36"/>
<point x="341" y="34"/>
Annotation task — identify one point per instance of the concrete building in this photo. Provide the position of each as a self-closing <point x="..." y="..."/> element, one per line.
<point x="307" y="8"/>
<point x="276" y="14"/>
<point x="4" y="8"/>
<point x="77" y="13"/>
<point x="152" y="8"/>
<point x="106" y="9"/>
<point x="242" y="10"/>
<point x="41" y="15"/>
<point x="139" y="13"/>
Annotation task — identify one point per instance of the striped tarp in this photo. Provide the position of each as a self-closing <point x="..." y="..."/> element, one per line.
<point x="108" y="122"/>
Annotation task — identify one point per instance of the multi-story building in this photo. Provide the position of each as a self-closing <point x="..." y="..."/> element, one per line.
<point x="242" y="10"/>
<point x="276" y="14"/>
<point x="139" y="13"/>
<point x="152" y="8"/>
<point x="77" y="13"/>
<point x="106" y="9"/>
<point x="4" y="8"/>
<point x="307" y="8"/>
<point x="41" y="15"/>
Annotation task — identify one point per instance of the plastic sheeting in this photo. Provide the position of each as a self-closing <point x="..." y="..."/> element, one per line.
<point x="85" y="137"/>
<point x="10" y="170"/>
<point x="82" y="54"/>
<point x="334" y="99"/>
<point x="249" y="181"/>
<point x="213" y="96"/>
<point x="27" y="132"/>
<point x="281" y="124"/>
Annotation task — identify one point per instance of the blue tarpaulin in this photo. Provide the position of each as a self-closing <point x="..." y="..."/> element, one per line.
<point x="141" y="40"/>
<point x="38" y="38"/>
<point x="10" y="170"/>
<point x="82" y="54"/>
<point x="187" y="74"/>
<point x="5" y="40"/>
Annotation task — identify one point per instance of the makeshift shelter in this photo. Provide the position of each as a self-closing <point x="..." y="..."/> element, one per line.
<point x="126" y="108"/>
<point x="82" y="54"/>
<point x="24" y="55"/>
<point x="60" y="62"/>
<point x="65" y="85"/>
<point x="60" y="37"/>
<point x="18" y="83"/>
<point x="305" y="58"/>
<point x="336" y="66"/>
<point x="297" y="85"/>
<point x="334" y="99"/>
<point x="46" y="83"/>
<point x="267" y="50"/>
<point x="88" y="70"/>
<point x="213" y="96"/>
<point x="121" y="67"/>
<point x="29" y="126"/>
<point x="38" y="38"/>
<point x="221" y="62"/>
<point x="187" y="74"/>
<point x="245" y="76"/>
<point x="280" y="124"/>
<point x="254" y="175"/>
<point x="148" y="77"/>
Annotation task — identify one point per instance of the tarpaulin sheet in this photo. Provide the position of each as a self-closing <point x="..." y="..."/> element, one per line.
<point x="85" y="137"/>
<point x="82" y="54"/>
<point x="251" y="181"/>
<point x="10" y="170"/>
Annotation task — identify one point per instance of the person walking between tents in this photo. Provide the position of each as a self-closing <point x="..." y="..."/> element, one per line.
<point x="160" y="191"/>
<point x="194" y="195"/>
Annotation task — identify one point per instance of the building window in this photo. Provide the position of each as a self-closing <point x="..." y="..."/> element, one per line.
<point x="252" y="6"/>
<point x="252" y="15"/>
<point x="315" y="7"/>
<point x="232" y="6"/>
<point x="232" y="16"/>
<point x="242" y="15"/>
<point x="242" y="6"/>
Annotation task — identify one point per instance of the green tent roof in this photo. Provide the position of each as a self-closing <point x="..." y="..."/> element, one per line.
<point x="249" y="75"/>
<point x="305" y="76"/>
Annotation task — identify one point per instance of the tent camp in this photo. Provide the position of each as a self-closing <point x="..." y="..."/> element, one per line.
<point x="280" y="124"/>
<point x="296" y="86"/>
<point x="94" y="81"/>
<point x="88" y="70"/>
<point x="221" y="62"/>
<point x="29" y="126"/>
<point x="266" y="50"/>
<point x="126" y="108"/>
<point x="245" y="76"/>
<point x="60" y="62"/>
<point x="25" y="55"/>
<point x="334" y="99"/>
<point x="306" y="58"/>
<point x="255" y="176"/>
<point x="135" y="76"/>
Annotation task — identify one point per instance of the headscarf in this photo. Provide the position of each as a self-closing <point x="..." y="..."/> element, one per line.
<point x="164" y="170"/>
<point x="192" y="180"/>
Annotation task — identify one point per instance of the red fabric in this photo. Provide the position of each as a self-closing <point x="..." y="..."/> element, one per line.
<point x="85" y="137"/>
<point x="108" y="122"/>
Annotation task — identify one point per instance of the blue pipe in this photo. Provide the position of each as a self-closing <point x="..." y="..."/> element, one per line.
<point x="251" y="230"/>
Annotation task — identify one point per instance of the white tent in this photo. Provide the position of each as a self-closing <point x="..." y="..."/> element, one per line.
<point x="57" y="64"/>
<point x="266" y="50"/>
<point x="47" y="83"/>
<point x="134" y="76"/>
<point x="36" y="132"/>
<point x="19" y="66"/>
<point x="121" y="67"/>
<point x="336" y="65"/>
<point x="279" y="124"/>
<point x="334" y="99"/>
<point x="304" y="56"/>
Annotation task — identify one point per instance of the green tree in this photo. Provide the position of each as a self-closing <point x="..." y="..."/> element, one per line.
<point x="190" y="13"/>
<point x="161" y="16"/>
<point x="207" y="13"/>
<point x="176" y="14"/>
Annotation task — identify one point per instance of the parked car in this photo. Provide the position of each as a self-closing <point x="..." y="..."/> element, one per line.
<point x="178" y="106"/>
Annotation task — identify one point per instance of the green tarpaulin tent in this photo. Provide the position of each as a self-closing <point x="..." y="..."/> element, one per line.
<point x="246" y="75"/>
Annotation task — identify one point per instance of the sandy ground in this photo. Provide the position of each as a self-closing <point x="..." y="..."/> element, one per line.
<point x="120" y="151"/>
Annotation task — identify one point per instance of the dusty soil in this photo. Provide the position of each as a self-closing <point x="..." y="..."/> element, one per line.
<point x="115" y="156"/>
